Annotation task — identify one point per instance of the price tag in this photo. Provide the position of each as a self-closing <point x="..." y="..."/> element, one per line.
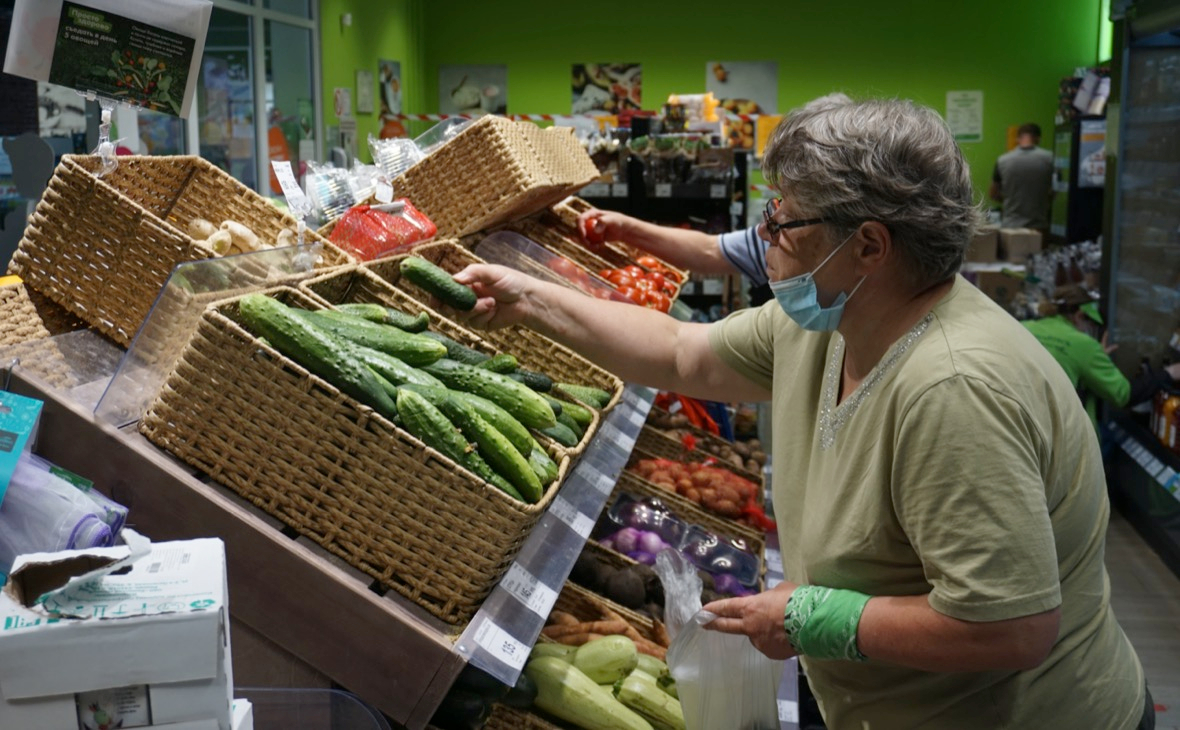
<point x="610" y="432"/>
<point x="663" y="190"/>
<point x="774" y="561"/>
<point x="384" y="192"/>
<point x="637" y="418"/>
<point x="535" y="595"/>
<point x="501" y="645"/>
<point x="717" y="191"/>
<point x="596" y="190"/>
<point x="619" y="190"/>
<point x="788" y="711"/>
<point x="296" y="200"/>
<point x="570" y="515"/>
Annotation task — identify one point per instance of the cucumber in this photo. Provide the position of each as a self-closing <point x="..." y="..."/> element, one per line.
<point x="607" y="660"/>
<point x="389" y="388"/>
<point x="565" y="420"/>
<point x="561" y="433"/>
<point x="556" y="405"/>
<point x="497" y="450"/>
<point x="422" y="419"/>
<point x="641" y="693"/>
<point x="581" y="415"/>
<point x="439" y="282"/>
<point x="502" y="363"/>
<point x="526" y="406"/>
<point x="544" y="467"/>
<point x="387" y="315"/>
<point x="315" y="350"/>
<point x="458" y="352"/>
<point x="410" y="348"/>
<point x="504" y="422"/>
<point x="566" y="692"/>
<point x="591" y="396"/>
<point x="389" y="367"/>
<point x="537" y="381"/>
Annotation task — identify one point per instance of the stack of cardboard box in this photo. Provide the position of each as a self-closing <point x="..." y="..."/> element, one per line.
<point x="996" y="246"/>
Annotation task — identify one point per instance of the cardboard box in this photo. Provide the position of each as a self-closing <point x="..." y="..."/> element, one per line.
<point x="985" y="247"/>
<point x="83" y="647"/>
<point x="1017" y="243"/>
<point x="243" y="715"/>
<point x="998" y="286"/>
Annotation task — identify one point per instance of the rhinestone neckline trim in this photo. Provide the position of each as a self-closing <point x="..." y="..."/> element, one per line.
<point x="832" y="417"/>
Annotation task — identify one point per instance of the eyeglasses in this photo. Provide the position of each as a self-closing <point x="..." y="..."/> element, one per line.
<point x="773" y="227"/>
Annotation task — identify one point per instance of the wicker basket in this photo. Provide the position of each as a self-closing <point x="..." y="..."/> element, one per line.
<point x="534" y="351"/>
<point x="564" y="217"/>
<point x="493" y="171"/>
<point x="687" y="510"/>
<point x="103" y="247"/>
<point x="26" y="315"/>
<point x="658" y="444"/>
<point x="335" y="471"/>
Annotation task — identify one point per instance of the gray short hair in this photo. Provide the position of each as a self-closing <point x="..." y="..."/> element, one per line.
<point x="882" y="160"/>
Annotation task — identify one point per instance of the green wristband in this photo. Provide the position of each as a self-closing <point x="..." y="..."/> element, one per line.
<point x="821" y="622"/>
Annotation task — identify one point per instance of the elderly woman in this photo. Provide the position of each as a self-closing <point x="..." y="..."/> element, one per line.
<point x="939" y="490"/>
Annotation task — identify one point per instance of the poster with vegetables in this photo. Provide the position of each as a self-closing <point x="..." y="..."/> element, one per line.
<point x="121" y="59"/>
<point x="472" y="89"/>
<point x="746" y="88"/>
<point x="606" y="88"/>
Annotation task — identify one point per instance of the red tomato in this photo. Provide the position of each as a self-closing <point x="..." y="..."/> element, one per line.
<point x="630" y="293"/>
<point x="605" y="273"/>
<point x="634" y="270"/>
<point x="659" y="301"/>
<point x="620" y="279"/>
<point x="671" y="275"/>
<point x="643" y="284"/>
<point x="650" y="262"/>
<point x="565" y="267"/>
<point x="657" y="280"/>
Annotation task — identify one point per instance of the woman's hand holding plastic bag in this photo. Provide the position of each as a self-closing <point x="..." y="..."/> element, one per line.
<point x="759" y="617"/>
<point x="722" y="679"/>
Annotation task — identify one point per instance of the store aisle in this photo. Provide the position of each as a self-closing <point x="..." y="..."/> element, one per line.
<point x="1146" y="598"/>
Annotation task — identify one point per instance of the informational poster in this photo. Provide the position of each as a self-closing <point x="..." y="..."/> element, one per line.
<point x="1092" y="154"/>
<point x="142" y="52"/>
<point x="389" y="84"/>
<point x="746" y="88"/>
<point x="606" y="88"/>
<point x="364" y="92"/>
<point x="964" y="115"/>
<point x="472" y="89"/>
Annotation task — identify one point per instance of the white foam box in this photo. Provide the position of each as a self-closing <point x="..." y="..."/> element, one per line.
<point x="136" y="634"/>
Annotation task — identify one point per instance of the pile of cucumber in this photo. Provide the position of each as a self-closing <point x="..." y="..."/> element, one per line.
<point x="479" y="410"/>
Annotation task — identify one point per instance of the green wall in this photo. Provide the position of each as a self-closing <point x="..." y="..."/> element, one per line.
<point x="381" y="30"/>
<point x="1013" y="50"/>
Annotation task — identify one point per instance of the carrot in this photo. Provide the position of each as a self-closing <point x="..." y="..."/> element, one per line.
<point x="562" y="618"/>
<point x="577" y="639"/>
<point x="605" y="628"/>
<point x="651" y="649"/>
<point x="660" y="634"/>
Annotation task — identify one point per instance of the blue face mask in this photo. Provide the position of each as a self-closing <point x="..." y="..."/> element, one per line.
<point x="800" y="299"/>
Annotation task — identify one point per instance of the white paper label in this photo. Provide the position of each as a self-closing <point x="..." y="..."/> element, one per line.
<point x="1166" y="476"/>
<point x="637" y="418"/>
<point x="596" y="190"/>
<point x="535" y="595"/>
<point x="570" y="515"/>
<point x="663" y="190"/>
<point x="501" y="645"/>
<point x="788" y="711"/>
<point x="774" y="561"/>
<point x="384" y="192"/>
<point x="717" y="191"/>
<point x="120" y="707"/>
<point x="296" y="200"/>
<point x="619" y="190"/>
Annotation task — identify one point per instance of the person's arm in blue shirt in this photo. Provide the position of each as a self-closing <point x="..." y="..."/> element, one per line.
<point x="684" y="248"/>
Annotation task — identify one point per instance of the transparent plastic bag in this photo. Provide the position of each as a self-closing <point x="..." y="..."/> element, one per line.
<point x="330" y="190"/>
<point x="372" y="231"/>
<point x="394" y="156"/>
<point x="723" y="681"/>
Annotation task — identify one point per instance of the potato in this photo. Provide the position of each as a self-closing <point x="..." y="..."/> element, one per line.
<point x="200" y="229"/>
<point x="741" y="448"/>
<point x="753" y="466"/>
<point x="221" y="242"/>
<point x="243" y="238"/>
<point x="286" y="237"/>
<point x="758" y="456"/>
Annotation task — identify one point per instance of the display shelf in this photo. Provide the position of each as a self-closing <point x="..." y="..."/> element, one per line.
<point x="1144" y="481"/>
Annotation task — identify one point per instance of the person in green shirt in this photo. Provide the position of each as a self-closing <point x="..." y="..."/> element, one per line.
<point x="1071" y="332"/>
<point x="939" y="491"/>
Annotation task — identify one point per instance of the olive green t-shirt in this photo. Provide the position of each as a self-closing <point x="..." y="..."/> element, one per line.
<point x="962" y="467"/>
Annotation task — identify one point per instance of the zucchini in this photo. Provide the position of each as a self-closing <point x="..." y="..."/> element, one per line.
<point x="581" y="414"/>
<point x="555" y="404"/>
<point x="456" y="351"/>
<point x="405" y="346"/>
<point x="315" y="350"/>
<point x="426" y="421"/>
<point x="389" y="367"/>
<point x="607" y="660"/>
<point x="502" y="363"/>
<point x="641" y="693"/>
<point x="539" y="382"/>
<point x="591" y="396"/>
<point x="565" y="420"/>
<point x="387" y="315"/>
<point x="565" y="692"/>
<point x="653" y="666"/>
<point x="561" y="433"/>
<point x="525" y="405"/>
<point x="559" y="651"/>
<point x="497" y="450"/>
<point x="504" y="422"/>
<point x="439" y="282"/>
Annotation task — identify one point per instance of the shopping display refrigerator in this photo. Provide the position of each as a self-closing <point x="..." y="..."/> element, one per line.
<point x="1079" y="174"/>
<point x="1141" y="271"/>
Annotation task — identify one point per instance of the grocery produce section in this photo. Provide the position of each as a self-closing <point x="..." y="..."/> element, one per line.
<point x="452" y="524"/>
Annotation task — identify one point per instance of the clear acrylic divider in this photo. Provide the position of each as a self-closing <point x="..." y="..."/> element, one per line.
<point x="77" y="365"/>
<point x="169" y="326"/>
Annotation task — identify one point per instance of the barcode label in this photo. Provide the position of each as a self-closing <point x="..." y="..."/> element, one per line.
<point x="788" y="711"/>
<point x="296" y="200"/>
<point x="717" y="191"/>
<point x="570" y="515"/>
<point x="619" y="190"/>
<point x="663" y="190"/>
<point x="501" y="645"/>
<point x="535" y="595"/>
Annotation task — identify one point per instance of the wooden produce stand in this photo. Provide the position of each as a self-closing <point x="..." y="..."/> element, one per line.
<point x="286" y="591"/>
